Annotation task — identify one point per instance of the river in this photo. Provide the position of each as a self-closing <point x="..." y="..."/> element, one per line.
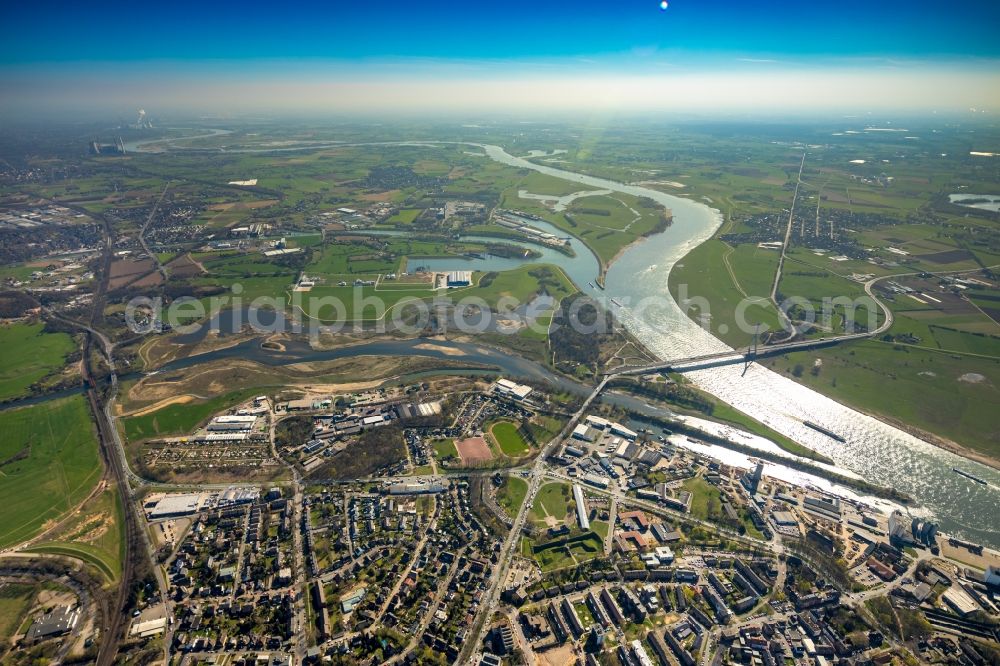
<point x="874" y="450"/>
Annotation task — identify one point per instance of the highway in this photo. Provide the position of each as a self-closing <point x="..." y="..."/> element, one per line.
<point x="731" y="357"/>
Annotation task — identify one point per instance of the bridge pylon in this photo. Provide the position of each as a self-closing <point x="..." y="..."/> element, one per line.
<point x="751" y="349"/>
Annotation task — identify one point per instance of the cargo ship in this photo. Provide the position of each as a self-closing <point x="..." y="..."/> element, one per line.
<point x="968" y="476"/>
<point x="828" y="433"/>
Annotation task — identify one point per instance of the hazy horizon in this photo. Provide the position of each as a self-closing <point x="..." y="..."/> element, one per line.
<point x="541" y="57"/>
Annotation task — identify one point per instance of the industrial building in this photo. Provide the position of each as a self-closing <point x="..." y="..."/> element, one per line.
<point x="507" y="388"/>
<point x="784" y="519"/>
<point x="174" y="506"/>
<point x="57" y="622"/>
<point x="596" y="481"/>
<point x="581" y="507"/>
<point x="416" y="488"/>
<point x="459" y="278"/>
<point x="622" y="431"/>
<point x="959" y="600"/>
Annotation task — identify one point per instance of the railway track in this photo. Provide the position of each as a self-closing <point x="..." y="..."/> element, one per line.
<point x="135" y="558"/>
<point x="134" y="544"/>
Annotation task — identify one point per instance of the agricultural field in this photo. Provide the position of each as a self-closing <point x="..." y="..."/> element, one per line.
<point x="231" y="264"/>
<point x="540" y="183"/>
<point x="251" y="288"/>
<point x="979" y="344"/>
<point x="354" y="260"/>
<point x="50" y="462"/>
<point x="231" y="213"/>
<point x="817" y="288"/>
<point x="30" y="355"/>
<point x="20" y="272"/>
<point x="405" y="216"/>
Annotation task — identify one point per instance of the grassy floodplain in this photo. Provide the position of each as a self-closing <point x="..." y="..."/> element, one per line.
<point x="521" y="284"/>
<point x="951" y="395"/>
<point x="606" y="223"/>
<point x="29" y="355"/>
<point x="709" y="272"/>
<point x="179" y="419"/>
<point x="50" y="463"/>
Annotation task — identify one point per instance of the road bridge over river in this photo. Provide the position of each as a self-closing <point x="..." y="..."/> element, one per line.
<point x="732" y="357"/>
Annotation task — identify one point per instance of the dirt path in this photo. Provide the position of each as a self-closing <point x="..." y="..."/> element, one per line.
<point x="182" y="399"/>
<point x="732" y="273"/>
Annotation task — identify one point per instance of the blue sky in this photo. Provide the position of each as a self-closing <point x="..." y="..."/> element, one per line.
<point x="510" y="29"/>
<point x="134" y="44"/>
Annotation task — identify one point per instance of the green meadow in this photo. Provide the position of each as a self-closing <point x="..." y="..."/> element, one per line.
<point x="49" y="462"/>
<point x="180" y="419"/>
<point x="29" y="355"/>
